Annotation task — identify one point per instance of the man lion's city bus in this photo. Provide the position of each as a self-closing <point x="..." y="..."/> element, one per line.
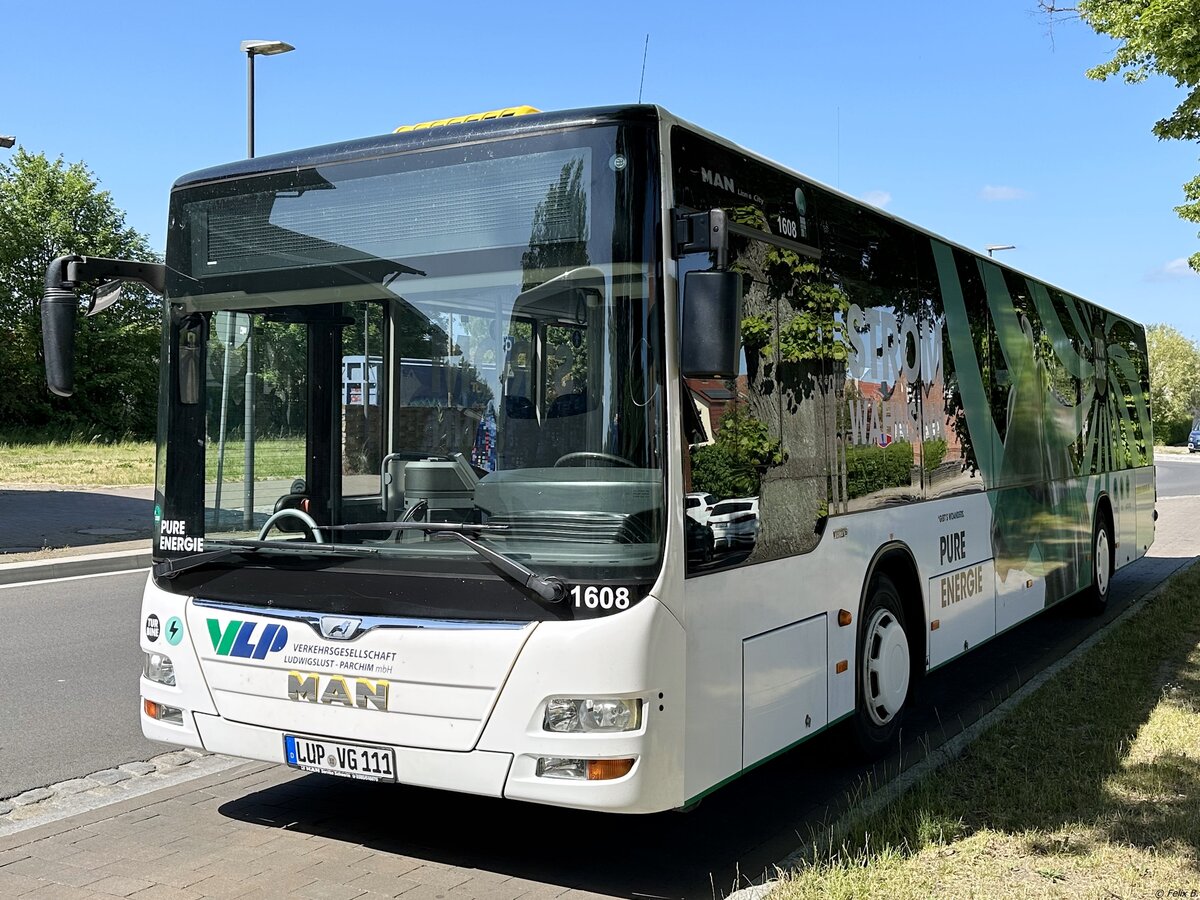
<point x="433" y="404"/>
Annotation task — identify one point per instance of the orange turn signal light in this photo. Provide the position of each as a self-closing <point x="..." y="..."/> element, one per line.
<point x="842" y="666"/>
<point x="845" y="617"/>
<point x="606" y="769"/>
<point x="151" y="708"/>
<point x="935" y="624"/>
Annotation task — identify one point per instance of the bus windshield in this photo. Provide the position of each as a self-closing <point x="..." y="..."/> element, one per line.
<point x="464" y="335"/>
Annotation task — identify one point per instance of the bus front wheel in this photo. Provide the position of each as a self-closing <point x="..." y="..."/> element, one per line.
<point x="884" y="669"/>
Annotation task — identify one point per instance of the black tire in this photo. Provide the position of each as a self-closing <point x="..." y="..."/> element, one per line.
<point x="883" y="679"/>
<point x="1094" y="599"/>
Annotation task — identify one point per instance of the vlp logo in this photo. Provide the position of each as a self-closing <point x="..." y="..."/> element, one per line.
<point x="238" y="639"/>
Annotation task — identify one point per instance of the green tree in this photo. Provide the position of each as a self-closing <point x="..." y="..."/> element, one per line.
<point x="48" y="209"/>
<point x="559" y="226"/>
<point x="1174" y="383"/>
<point x="1157" y="37"/>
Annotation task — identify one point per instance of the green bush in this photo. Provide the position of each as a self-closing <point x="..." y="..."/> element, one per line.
<point x="872" y="468"/>
<point x="1172" y="432"/>
<point x="933" y="452"/>
<point x="718" y="471"/>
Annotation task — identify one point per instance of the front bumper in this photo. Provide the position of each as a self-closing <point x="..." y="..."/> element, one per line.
<point x="474" y="772"/>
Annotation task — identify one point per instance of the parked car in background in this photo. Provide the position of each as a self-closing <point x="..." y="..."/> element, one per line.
<point x="734" y="523"/>
<point x="1193" y="438"/>
<point x="699" y="505"/>
<point x="698" y="541"/>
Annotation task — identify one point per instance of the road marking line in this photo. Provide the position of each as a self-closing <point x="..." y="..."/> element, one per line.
<point x="74" y="578"/>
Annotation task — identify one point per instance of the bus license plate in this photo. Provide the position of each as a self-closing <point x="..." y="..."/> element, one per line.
<point x="365" y="762"/>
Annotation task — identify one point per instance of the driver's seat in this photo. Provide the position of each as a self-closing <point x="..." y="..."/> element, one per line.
<point x="568" y="422"/>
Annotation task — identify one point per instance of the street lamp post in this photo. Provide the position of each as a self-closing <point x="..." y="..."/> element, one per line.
<point x="7" y="140"/>
<point x="991" y="248"/>
<point x="252" y="49"/>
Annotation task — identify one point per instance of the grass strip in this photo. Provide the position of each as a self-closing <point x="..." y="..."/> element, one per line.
<point x="116" y="464"/>
<point x="125" y="463"/>
<point x="1090" y="788"/>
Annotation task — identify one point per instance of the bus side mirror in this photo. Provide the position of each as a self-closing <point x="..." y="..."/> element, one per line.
<point x="59" y="308"/>
<point x="712" y="325"/>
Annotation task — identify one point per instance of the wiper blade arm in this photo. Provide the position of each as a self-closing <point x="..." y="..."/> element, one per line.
<point x="547" y="587"/>
<point x="169" y="568"/>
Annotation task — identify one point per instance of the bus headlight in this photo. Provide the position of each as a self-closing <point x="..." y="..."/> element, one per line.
<point x="567" y="715"/>
<point x="159" y="668"/>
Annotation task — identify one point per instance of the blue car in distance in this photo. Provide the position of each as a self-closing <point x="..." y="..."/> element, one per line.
<point x="1194" y="437"/>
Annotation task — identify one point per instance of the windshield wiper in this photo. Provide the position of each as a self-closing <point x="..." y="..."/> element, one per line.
<point x="549" y="588"/>
<point x="169" y="568"/>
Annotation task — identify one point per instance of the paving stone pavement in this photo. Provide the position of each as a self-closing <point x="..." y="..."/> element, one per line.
<point x="173" y="844"/>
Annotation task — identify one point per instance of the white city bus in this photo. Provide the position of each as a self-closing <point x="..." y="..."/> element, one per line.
<point x="478" y="573"/>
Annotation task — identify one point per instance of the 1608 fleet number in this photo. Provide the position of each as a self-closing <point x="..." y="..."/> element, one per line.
<point x="600" y="597"/>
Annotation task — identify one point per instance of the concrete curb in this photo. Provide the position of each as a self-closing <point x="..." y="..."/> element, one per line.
<point x="954" y="747"/>
<point x="77" y="796"/>
<point x="74" y="566"/>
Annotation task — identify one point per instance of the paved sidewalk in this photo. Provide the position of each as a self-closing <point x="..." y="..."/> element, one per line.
<point x="239" y="833"/>
<point x="36" y="516"/>
<point x="50" y="531"/>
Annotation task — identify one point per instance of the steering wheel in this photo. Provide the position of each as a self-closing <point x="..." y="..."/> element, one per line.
<point x="609" y="458"/>
<point x="300" y="514"/>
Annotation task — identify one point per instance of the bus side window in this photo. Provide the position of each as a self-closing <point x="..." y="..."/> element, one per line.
<point x="955" y="468"/>
<point x="884" y="367"/>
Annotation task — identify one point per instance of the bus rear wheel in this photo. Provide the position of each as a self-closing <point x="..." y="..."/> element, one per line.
<point x="1095" y="598"/>
<point x="884" y="669"/>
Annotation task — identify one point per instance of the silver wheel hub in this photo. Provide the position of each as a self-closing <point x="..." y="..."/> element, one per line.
<point x="1103" y="563"/>
<point x="886" y="667"/>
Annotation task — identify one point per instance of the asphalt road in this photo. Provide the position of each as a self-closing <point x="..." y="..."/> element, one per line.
<point x="35" y="517"/>
<point x="69" y="665"/>
<point x="1178" y="476"/>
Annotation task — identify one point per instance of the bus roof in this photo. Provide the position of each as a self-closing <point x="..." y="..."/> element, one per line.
<point x="397" y="142"/>
<point x="466" y="128"/>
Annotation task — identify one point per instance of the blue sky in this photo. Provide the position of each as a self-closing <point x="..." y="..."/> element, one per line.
<point x="974" y="120"/>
